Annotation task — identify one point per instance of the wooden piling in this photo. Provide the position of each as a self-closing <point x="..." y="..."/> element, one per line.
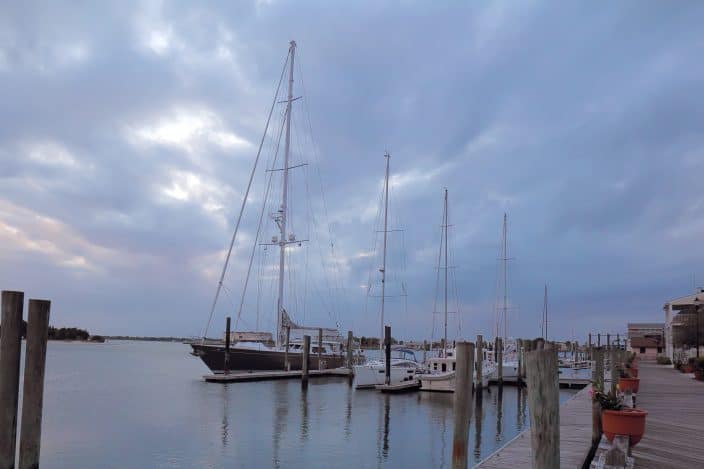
<point x="598" y="385"/>
<point x="544" y="405"/>
<point x="33" y="391"/>
<point x="500" y="361"/>
<point x="613" y="361"/>
<point x="226" y="365"/>
<point x="287" y="363"/>
<point x="320" y="348"/>
<point x="464" y="356"/>
<point x="387" y="348"/>
<point x="350" y="344"/>
<point x="10" y="350"/>
<point x="598" y="339"/>
<point x="519" y="355"/>
<point x="608" y="341"/>
<point x="598" y="376"/>
<point x="478" y="363"/>
<point x="304" y="363"/>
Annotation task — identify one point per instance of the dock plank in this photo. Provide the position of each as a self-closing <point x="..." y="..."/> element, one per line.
<point x="575" y="438"/>
<point x="674" y="428"/>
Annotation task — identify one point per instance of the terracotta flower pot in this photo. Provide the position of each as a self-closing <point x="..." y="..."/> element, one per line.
<point x="628" y="384"/>
<point x="699" y="375"/>
<point x="629" y="422"/>
<point x="686" y="369"/>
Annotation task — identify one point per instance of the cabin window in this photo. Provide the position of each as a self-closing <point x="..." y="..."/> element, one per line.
<point x="444" y="367"/>
<point x="642" y="350"/>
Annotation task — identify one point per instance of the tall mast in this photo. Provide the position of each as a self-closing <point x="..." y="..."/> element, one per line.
<point x="284" y="200"/>
<point x="445" y="225"/>
<point x="383" y="264"/>
<point x="545" y="312"/>
<point x="504" y="260"/>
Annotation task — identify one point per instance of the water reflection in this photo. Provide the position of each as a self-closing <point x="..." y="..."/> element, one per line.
<point x="478" y="420"/>
<point x="521" y="397"/>
<point x="225" y="425"/>
<point x="387" y="406"/>
<point x="499" y="403"/>
<point x="304" y="414"/>
<point x="280" y="418"/>
<point x="348" y="414"/>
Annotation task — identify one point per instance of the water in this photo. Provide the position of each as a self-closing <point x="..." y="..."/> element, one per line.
<point x="143" y="404"/>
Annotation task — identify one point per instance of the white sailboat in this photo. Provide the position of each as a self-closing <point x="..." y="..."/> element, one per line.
<point x="440" y="370"/>
<point x="404" y="366"/>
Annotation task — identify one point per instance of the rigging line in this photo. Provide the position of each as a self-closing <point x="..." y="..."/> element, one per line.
<point x="244" y="202"/>
<point x="316" y="154"/>
<point x="256" y="237"/>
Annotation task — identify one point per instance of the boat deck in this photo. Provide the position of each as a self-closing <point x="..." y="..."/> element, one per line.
<point x="241" y="376"/>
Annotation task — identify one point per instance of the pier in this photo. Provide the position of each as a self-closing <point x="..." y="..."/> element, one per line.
<point x="239" y="377"/>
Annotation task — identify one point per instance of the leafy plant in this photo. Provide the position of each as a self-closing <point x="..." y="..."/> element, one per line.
<point x="663" y="360"/>
<point x="607" y="400"/>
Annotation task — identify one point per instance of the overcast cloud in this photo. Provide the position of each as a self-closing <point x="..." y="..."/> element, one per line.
<point x="128" y="131"/>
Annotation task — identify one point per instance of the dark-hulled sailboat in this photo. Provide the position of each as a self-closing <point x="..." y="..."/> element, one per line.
<point x="258" y="355"/>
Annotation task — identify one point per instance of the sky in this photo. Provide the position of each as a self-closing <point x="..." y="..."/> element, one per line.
<point x="128" y="131"/>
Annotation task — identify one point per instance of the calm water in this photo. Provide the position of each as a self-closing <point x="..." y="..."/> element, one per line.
<point x="143" y="404"/>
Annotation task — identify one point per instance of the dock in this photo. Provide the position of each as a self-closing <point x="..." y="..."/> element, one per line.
<point x="674" y="427"/>
<point x="242" y="376"/>
<point x="575" y="438"/>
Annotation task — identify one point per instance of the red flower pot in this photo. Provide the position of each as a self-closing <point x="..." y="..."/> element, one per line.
<point x="699" y="375"/>
<point x="686" y="369"/>
<point x="629" y="422"/>
<point x="628" y="384"/>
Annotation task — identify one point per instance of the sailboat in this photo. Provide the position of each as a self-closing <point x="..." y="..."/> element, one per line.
<point x="440" y="374"/>
<point x="258" y="355"/>
<point x="404" y="366"/>
<point x="510" y="353"/>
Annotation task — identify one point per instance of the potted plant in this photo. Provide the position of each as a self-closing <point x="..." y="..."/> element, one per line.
<point x="689" y="366"/>
<point x="631" y="370"/>
<point x="619" y="420"/>
<point x="699" y="369"/>
<point x="626" y="383"/>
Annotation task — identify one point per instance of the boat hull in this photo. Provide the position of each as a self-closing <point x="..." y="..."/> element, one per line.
<point x="250" y="359"/>
<point x="368" y="377"/>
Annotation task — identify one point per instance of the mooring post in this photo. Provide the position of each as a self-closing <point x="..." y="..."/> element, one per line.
<point x="10" y="350"/>
<point x="500" y="361"/>
<point x="598" y="339"/>
<point x="598" y="385"/>
<point x="478" y="363"/>
<point x="33" y="391"/>
<point x="464" y="356"/>
<point x="519" y="354"/>
<point x="608" y="341"/>
<point x="350" y="344"/>
<point x="287" y="364"/>
<point x="304" y="362"/>
<point x="320" y="348"/>
<point x="387" y="348"/>
<point x="226" y="365"/>
<point x="543" y="405"/>
<point x="613" y="359"/>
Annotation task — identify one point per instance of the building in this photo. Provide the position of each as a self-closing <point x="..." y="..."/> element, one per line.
<point x="646" y="339"/>
<point x="684" y="325"/>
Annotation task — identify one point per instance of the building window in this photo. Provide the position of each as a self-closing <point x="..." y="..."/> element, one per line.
<point x="659" y="349"/>
<point x="642" y="350"/>
<point x="444" y="367"/>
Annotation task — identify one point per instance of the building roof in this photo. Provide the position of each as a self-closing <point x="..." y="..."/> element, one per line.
<point x="637" y="342"/>
<point x="685" y="301"/>
<point x="646" y="325"/>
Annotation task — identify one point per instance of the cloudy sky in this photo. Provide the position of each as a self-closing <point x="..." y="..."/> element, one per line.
<point x="128" y="131"/>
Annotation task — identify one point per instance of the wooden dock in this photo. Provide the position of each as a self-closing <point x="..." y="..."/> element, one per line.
<point x="575" y="438"/>
<point x="242" y="376"/>
<point x="674" y="427"/>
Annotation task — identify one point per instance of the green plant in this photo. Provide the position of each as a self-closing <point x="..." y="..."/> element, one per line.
<point x="607" y="400"/>
<point x="663" y="360"/>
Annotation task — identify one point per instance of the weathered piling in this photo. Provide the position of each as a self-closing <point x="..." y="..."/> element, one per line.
<point x="387" y="349"/>
<point x="226" y="365"/>
<point x="320" y="348"/>
<point x="33" y="391"/>
<point x="478" y="363"/>
<point x="464" y="355"/>
<point x="519" y="355"/>
<point x="608" y="341"/>
<point x="350" y="344"/>
<point x="500" y="361"/>
<point x="304" y="362"/>
<point x="598" y="339"/>
<point x="598" y="384"/>
<point x="544" y="405"/>
<point x="613" y="361"/>
<point x="287" y="364"/>
<point x="10" y="349"/>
